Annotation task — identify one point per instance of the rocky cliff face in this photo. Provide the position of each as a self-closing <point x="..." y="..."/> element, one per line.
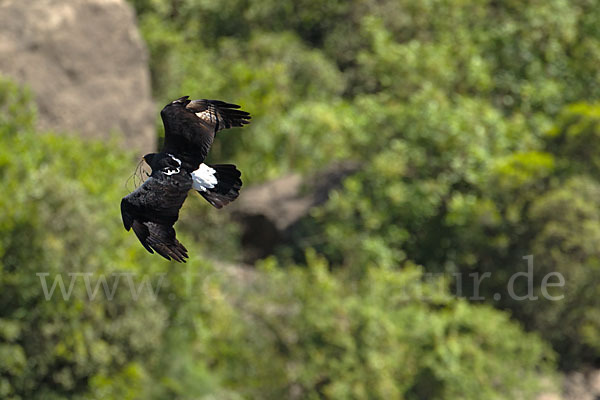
<point x="86" y="64"/>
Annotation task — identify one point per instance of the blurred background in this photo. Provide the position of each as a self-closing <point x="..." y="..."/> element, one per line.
<point x="400" y="152"/>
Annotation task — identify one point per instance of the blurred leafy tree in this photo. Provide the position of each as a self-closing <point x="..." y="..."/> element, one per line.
<point x="58" y="219"/>
<point x="299" y="332"/>
<point x="312" y="333"/>
<point x="61" y="217"/>
<point x="543" y="203"/>
<point x="459" y="111"/>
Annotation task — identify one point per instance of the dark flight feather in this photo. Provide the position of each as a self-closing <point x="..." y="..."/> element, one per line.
<point x="227" y="188"/>
<point x="191" y="126"/>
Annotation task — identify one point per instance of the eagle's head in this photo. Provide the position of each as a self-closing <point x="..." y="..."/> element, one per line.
<point x="174" y="107"/>
<point x="181" y="101"/>
<point x="149" y="158"/>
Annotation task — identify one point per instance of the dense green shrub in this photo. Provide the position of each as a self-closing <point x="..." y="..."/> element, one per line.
<point x="473" y="154"/>
<point x="310" y="333"/>
<point x="214" y="332"/>
<point x="60" y="216"/>
<point x="460" y="111"/>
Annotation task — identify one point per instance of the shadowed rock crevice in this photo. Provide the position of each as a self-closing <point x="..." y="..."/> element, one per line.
<point x="268" y="213"/>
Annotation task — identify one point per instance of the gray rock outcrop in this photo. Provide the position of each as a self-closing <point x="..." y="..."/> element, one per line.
<point x="86" y="65"/>
<point x="268" y="213"/>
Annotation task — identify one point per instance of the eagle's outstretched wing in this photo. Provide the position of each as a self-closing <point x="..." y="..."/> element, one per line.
<point x="191" y="125"/>
<point x="152" y="209"/>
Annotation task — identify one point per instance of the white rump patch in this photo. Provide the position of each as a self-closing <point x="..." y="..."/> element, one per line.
<point x="204" y="178"/>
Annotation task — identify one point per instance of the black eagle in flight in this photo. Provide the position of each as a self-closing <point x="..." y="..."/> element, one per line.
<point x="190" y="128"/>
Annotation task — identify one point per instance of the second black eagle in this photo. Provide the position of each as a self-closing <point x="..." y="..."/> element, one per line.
<point x="190" y="128"/>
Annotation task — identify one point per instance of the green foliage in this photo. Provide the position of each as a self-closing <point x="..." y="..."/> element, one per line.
<point x="216" y="332"/>
<point x="541" y="203"/>
<point x="476" y="124"/>
<point x="309" y="333"/>
<point x="460" y="112"/>
<point x="575" y="139"/>
<point x="60" y="217"/>
<point x="431" y="152"/>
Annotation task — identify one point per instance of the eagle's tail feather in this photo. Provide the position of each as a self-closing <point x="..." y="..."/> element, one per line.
<point x="219" y="184"/>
